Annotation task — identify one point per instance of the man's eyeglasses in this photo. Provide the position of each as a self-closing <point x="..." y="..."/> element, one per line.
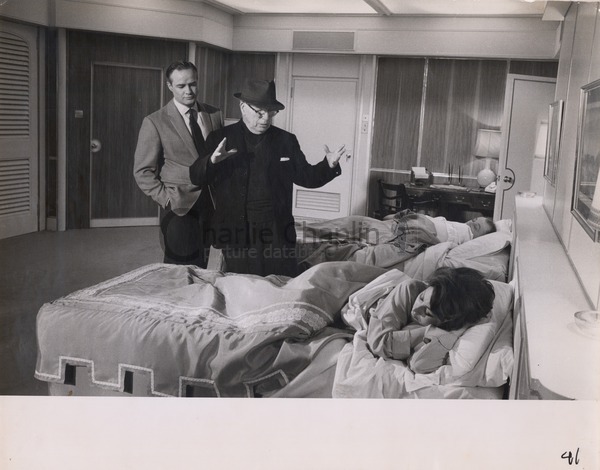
<point x="262" y="113"/>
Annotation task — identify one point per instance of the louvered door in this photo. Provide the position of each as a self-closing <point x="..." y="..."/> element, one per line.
<point x="18" y="130"/>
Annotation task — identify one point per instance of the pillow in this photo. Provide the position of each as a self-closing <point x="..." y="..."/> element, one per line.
<point x="470" y="347"/>
<point x="485" y="245"/>
<point x="504" y="225"/>
<point x="492" y="267"/>
<point x="488" y="254"/>
<point x="483" y="355"/>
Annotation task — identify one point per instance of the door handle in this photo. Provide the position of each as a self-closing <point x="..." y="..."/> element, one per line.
<point x="508" y="178"/>
<point x="95" y="145"/>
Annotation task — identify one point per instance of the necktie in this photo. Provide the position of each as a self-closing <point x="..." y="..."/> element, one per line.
<point x="196" y="132"/>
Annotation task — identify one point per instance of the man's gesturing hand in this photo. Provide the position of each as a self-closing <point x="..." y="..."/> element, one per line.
<point x="221" y="153"/>
<point x="333" y="158"/>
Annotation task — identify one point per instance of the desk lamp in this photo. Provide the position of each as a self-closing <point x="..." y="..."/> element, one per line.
<point x="488" y="147"/>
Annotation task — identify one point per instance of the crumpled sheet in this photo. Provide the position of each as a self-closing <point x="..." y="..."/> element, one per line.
<point x="229" y="334"/>
<point x="361" y="375"/>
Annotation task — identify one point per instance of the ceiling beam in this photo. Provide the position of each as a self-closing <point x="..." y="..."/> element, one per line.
<point x="223" y="7"/>
<point x="379" y="7"/>
<point x="555" y="11"/>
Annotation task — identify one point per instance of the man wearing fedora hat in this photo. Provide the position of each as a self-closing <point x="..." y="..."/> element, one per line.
<point x="250" y="168"/>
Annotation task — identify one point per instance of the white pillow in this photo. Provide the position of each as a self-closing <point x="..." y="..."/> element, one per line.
<point x="482" y="356"/>
<point x="486" y="245"/>
<point x="476" y="343"/>
<point x="504" y="225"/>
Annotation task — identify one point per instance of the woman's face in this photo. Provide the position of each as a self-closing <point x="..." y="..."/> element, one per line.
<point x="421" y="311"/>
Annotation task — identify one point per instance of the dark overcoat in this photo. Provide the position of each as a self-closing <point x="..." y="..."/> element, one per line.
<point x="228" y="180"/>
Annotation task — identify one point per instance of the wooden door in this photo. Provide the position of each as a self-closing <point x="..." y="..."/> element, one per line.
<point x="19" y="140"/>
<point x="526" y="105"/>
<point x="324" y="111"/>
<point x="122" y="95"/>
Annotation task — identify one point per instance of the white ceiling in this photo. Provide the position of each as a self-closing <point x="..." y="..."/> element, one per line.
<point x="386" y="7"/>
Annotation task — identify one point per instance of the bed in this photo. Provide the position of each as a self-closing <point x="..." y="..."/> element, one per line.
<point x="167" y="330"/>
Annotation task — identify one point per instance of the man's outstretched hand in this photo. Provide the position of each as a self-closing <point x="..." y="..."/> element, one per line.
<point x="333" y="158"/>
<point x="221" y="153"/>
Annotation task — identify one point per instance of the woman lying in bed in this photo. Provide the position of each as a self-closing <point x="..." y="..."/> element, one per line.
<point x="420" y="322"/>
<point x="411" y="342"/>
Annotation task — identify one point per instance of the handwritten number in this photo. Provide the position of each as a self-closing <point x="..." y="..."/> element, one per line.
<point x="569" y="456"/>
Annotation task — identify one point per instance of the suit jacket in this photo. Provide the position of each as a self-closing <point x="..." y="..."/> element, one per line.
<point x="164" y="152"/>
<point x="228" y="179"/>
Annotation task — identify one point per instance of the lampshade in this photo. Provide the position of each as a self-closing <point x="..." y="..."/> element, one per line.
<point x="487" y="146"/>
<point x="540" y="142"/>
<point x="488" y="143"/>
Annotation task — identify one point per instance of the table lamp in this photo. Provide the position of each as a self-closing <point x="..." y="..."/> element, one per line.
<point x="487" y="146"/>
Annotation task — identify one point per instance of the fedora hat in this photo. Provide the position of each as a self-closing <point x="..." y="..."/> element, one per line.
<point x="260" y="93"/>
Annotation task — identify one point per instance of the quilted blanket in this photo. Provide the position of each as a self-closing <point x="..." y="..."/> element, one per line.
<point x="226" y="334"/>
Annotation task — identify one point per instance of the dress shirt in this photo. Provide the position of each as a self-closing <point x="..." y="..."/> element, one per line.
<point x="183" y="110"/>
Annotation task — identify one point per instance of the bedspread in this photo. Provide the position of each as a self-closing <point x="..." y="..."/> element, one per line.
<point x="228" y="334"/>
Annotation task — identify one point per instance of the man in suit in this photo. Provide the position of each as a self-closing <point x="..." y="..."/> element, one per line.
<point x="251" y="167"/>
<point x="170" y="140"/>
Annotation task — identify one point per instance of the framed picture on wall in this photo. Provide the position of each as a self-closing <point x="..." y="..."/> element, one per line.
<point x="553" y="141"/>
<point x="586" y="196"/>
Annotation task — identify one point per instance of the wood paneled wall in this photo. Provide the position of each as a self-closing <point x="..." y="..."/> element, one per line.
<point x="397" y="111"/>
<point x="531" y="67"/>
<point x="462" y="96"/>
<point x="212" y="76"/>
<point x="51" y="123"/>
<point x="222" y="74"/>
<point x="83" y="49"/>
<point x="428" y="111"/>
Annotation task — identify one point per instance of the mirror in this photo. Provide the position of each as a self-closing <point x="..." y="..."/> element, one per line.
<point x="586" y="197"/>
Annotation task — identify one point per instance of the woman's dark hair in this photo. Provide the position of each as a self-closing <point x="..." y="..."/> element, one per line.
<point x="461" y="297"/>
<point x="179" y="65"/>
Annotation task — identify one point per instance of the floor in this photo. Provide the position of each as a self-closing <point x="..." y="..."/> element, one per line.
<point x="40" y="267"/>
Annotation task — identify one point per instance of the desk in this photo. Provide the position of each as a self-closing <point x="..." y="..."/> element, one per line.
<point x="454" y="200"/>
